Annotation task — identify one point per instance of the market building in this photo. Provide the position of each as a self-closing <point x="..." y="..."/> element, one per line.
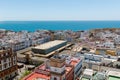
<point x="49" y="47"/>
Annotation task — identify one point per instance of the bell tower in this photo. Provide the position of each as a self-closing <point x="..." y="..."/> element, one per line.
<point x="57" y="68"/>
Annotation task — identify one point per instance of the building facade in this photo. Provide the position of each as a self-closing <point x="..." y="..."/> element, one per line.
<point x="53" y="69"/>
<point x="57" y="68"/>
<point x="8" y="64"/>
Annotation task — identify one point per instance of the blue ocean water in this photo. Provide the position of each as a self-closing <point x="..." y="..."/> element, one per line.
<point x="57" y="25"/>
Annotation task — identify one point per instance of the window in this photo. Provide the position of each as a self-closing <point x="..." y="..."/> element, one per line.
<point x="10" y="59"/>
<point x="8" y="53"/>
<point x="55" y="78"/>
<point x="9" y="64"/>
<point x="0" y="68"/>
<point x="4" y="55"/>
<point x="14" y="62"/>
<point x="1" y="55"/>
<point x="5" y="66"/>
<point x="55" y="70"/>
<point x="4" y="60"/>
<point x="14" y="57"/>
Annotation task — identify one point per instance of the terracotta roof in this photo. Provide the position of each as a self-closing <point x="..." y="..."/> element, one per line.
<point x="34" y="76"/>
<point x="74" y="62"/>
<point x="68" y="69"/>
<point x="39" y="75"/>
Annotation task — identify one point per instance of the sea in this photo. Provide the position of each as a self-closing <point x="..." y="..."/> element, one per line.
<point x="32" y="26"/>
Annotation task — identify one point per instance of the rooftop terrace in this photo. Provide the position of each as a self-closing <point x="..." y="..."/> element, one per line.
<point x="114" y="73"/>
<point x="35" y="76"/>
<point x="85" y="78"/>
<point x="113" y="78"/>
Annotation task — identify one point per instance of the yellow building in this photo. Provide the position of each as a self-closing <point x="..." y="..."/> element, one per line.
<point x="111" y="52"/>
<point x="105" y="51"/>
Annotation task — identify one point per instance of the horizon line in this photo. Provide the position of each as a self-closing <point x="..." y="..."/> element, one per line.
<point x="56" y="20"/>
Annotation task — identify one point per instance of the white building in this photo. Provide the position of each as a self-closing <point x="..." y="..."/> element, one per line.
<point x="109" y="44"/>
<point x="88" y="74"/>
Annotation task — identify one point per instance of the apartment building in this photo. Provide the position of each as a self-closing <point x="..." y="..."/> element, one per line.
<point x="8" y="64"/>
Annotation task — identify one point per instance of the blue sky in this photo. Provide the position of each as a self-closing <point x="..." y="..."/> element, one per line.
<point x="59" y="10"/>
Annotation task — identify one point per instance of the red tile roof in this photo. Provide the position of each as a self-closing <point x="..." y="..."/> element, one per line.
<point x="68" y="69"/>
<point x="43" y="72"/>
<point x="34" y="76"/>
<point x="74" y="61"/>
<point x="38" y="74"/>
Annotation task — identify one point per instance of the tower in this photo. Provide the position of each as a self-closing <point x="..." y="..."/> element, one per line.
<point x="57" y="68"/>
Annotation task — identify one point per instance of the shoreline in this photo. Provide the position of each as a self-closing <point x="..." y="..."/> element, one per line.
<point x="97" y="29"/>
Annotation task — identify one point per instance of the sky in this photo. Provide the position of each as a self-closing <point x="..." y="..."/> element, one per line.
<point x="27" y="10"/>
